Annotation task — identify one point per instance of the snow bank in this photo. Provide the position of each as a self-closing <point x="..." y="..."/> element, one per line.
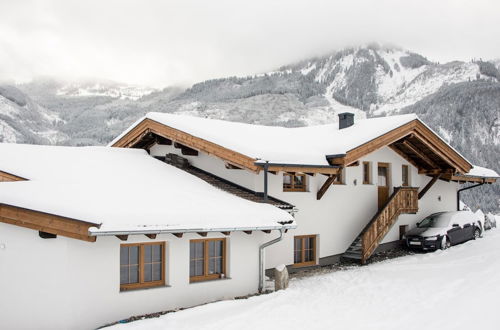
<point x="124" y="190"/>
<point x="448" y="290"/>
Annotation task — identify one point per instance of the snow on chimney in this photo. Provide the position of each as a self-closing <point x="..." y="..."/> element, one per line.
<point x="346" y="119"/>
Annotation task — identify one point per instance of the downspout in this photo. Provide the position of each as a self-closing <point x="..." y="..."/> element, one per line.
<point x="460" y="190"/>
<point x="261" y="258"/>
<point x="266" y="169"/>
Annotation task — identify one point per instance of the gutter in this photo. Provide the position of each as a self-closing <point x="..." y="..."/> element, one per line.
<point x="466" y="188"/>
<point x="261" y="258"/>
<point x="262" y="164"/>
<point x="284" y="226"/>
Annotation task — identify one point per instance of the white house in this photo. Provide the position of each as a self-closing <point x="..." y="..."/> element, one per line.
<point x="341" y="177"/>
<point x="93" y="235"/>
<point x="96" y="234"/>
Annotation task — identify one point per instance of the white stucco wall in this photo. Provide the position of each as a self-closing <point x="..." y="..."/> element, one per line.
<point x="343" y="211"/>
<point x="69" y="284"/>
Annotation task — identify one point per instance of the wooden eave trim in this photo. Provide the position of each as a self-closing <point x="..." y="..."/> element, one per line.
<point x="149" y="125"/>
<point x="304" y="169"/>
<point x="5" y="176"/>
<point x="459" y="178"/>
<point x="46" y="222"/>
<point x="413" y="127"/>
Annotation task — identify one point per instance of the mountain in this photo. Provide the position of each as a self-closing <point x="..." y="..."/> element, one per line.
<point x="459" y="100"/>
<point x="22" y="120"/>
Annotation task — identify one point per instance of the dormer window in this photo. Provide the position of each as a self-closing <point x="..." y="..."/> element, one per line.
<point x="294" y="182"/>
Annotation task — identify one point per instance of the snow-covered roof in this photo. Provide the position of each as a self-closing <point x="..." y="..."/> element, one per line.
<point x="482" y="172"/>
<point x="282" y="145"/>
<point x="124" y="190"/>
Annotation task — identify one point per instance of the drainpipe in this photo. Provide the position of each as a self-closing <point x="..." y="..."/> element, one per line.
<point x="261" y="258"/>
<point x="266" y="168"/>
<point x="460" y="190"/>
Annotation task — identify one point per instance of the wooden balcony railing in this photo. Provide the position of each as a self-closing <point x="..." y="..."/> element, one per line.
<point x="403" y="200"/>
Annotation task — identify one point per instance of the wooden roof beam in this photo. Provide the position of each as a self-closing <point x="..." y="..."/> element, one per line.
<point x="325" y="186"/>
<point x="419" y="153"/>
<point x="428" y="186"/>
<point x="122" y="237"/>
<point x="405" y="156"/>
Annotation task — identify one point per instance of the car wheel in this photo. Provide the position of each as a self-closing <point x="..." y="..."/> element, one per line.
<point x="477" y="233"/>
<point x="445" y="243"/>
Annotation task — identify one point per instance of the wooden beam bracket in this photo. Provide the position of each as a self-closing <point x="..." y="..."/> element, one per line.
<point x="325" y="186"/>
<point x="428" y="186"/>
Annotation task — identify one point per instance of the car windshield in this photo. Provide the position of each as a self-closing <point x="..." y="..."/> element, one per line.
<point x="434" y="221"/>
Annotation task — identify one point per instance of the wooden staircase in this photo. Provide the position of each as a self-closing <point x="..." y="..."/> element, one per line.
<point x="404" y="200"/>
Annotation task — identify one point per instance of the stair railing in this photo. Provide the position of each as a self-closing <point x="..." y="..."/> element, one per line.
<point x="402" y="200"/>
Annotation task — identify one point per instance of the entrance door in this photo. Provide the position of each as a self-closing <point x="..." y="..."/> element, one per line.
<point x="383" y="184"/>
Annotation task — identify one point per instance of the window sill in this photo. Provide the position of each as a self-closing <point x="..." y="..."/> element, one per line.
<point x="209" y="280"/>
<point x="289" y="190"/>
<point x="141" y="288"/>
<point x="305" y="264"/>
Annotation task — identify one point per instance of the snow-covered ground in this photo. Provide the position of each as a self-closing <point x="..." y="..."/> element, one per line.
<point x="454" y="289"/>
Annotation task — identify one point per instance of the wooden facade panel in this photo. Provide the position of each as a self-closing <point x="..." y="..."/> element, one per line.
<point x="46" y="222"/>
<point x="7" y="177"/>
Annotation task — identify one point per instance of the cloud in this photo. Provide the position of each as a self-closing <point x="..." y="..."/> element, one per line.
<point x="164" y="42"/>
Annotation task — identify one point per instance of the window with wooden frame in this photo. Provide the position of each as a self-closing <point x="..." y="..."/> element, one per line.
<point x="142" y="265"/>
<point x="207" y="259"/>
<point x="405" y="171"/>
<point x="294" y="182"/>
<point x="304" y="250"/>
<point x="367" y="173"/>
<point x="339" y="178"/>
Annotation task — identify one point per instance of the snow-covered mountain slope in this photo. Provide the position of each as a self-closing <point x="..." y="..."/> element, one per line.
<point x="459" y="100"/>
<point x="24" y="121"/>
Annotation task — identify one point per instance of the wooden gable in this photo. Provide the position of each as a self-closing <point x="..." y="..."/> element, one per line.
<point x="417" y="144"/>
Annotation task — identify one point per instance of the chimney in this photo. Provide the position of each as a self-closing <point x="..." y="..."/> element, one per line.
<point x="346" y="119"/>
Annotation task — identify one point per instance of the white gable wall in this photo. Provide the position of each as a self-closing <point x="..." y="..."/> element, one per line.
<point x="76" y="284"/>
<point x="343" y="211"/>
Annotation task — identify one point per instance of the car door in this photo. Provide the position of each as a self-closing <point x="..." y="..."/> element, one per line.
<point x="455" y="233"/>
<point x="468" y="228"/>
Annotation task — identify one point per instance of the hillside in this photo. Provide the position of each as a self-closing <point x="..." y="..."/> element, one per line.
<point x="459" y="100"/>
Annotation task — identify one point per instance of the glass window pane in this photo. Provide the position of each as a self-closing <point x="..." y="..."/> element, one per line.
<point x="134" y="274"/>
<point x="299" y="180"/>
<point x="211" y="266"/>
<point x="191" y="250"/>
<point x="198" y="268"/>
<point x="123" y="255"/>
<point x="287" y="179"/>
<point x="382" y="176"/>
<point x="147" y="253"/>
<point x="306" y="244"/>
<point x="297" y="256"/>
<point x="191" y="267"/>
<point x="157" y="251"/>
<point x="124" y="275"/>
<point x="218" y="265"/>
<point x="219" y="248"/>
<point x="211" y="248"/>
<point x="309" y="255"/>
<point x="298" y="244"/>
<point x="134" y="255"/>
<point x="157" y="272"/>
<point x="148" y="272"/>
<point x="199" y="250"/>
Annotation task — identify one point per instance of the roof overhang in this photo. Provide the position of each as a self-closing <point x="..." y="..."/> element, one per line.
<point x="4" y="176"/>
<point x="415" y="142"/>
<point x="149" y="132"/>
<point x="46" y="222"/>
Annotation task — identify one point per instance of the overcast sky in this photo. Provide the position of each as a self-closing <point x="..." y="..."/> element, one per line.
<point x="163" y="42"/>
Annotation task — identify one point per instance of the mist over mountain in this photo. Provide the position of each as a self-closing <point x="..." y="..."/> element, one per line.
<point x="459" y="100"/>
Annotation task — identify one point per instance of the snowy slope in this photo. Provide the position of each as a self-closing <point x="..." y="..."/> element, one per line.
<point x="453" y="289"/>
<point x="23" y="120"/>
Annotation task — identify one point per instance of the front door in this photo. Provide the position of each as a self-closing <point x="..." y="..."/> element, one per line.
<point x="383" y="184"/>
